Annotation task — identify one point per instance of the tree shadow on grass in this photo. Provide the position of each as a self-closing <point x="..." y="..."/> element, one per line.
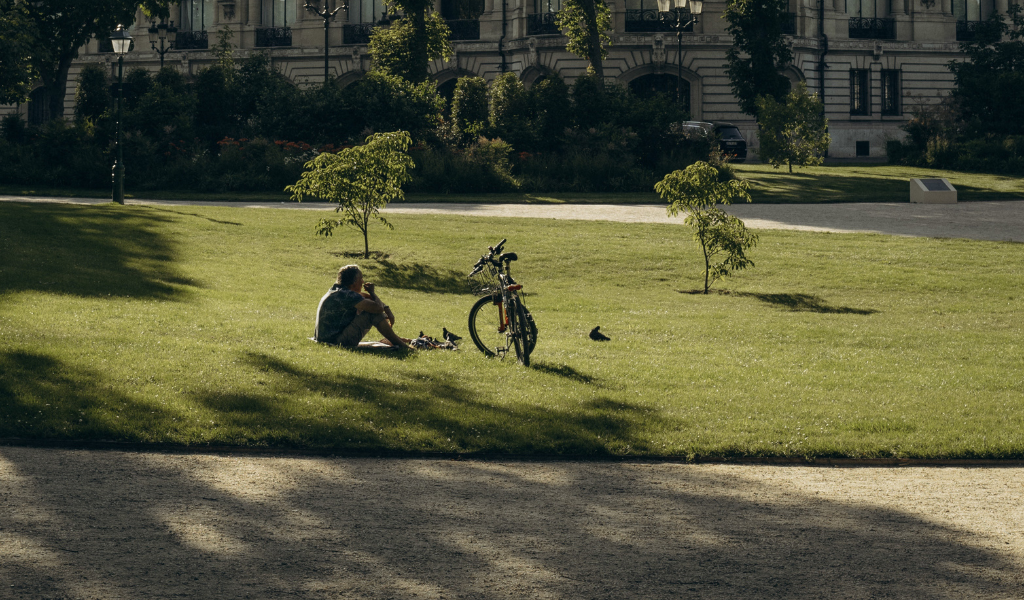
<point x="88" y="251"/>
<point x="805" y="303"/>
<point x="197" y="215"/>
<point x="43" y="397"/>
<point x="419" y="413"/>
<point x="418" y="277"/>
<point x="562" y="371"/>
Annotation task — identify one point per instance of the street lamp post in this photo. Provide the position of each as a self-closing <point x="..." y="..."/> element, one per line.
<point x="162" y="32"/>
<point x="121" y="41"/>
<point x="664" y="10"/>
<point x="327" y="15"/>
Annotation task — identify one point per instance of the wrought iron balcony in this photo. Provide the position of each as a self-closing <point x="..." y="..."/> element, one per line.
<point x="649" y="20"/>
<point x="192" y="40"/>
<point x="357" y="33"/>
<point x="542" y="24"/>
<point x="789" y="24"/>
<point x="966" y="31"/>
<point x="273" y="36"/>
<point x="872" y="29"/>
<point x="464" y="29"/>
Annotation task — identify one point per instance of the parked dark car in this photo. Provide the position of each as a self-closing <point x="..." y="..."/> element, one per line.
<point x="731" y="141"/>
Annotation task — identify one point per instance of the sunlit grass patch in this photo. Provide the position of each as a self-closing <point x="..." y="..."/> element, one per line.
<point x="180" y="325"/>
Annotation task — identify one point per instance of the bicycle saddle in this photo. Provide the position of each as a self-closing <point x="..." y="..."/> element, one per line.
<point x="509" y="257"/>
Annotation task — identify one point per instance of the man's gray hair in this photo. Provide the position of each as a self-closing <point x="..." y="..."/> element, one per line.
<point x="347" y="275"/>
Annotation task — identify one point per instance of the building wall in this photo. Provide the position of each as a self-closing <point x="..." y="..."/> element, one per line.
<point x="924" y="42"/>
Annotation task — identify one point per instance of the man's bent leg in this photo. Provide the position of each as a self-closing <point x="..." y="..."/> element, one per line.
<point x="358" y="329"/>
<point x="384" y="327"/>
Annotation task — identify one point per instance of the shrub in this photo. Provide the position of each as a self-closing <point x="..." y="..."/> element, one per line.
<point x="92" y="97"/>
<point x="484" y="167"/>
<point x="382" y="102"/>
<point x="552" y="110"/>
<point x="510" y="111"/>
<point x="469" y="107"/>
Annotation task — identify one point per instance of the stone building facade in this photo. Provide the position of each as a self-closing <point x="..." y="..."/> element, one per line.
<point x="871" y="60"/>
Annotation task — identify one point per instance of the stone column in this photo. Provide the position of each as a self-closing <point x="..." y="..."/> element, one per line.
<point x="947" y="7"/>
<point x="897" y="7"/>
<point x="1002" y="6"/>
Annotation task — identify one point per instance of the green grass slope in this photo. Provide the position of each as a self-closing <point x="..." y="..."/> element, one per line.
<point x="190" y="325"/>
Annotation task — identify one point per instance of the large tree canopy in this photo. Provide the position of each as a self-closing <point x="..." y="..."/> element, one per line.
<point x="759" y="51"/>
<point x="16" y="70"/>
<point x="61" y="27"/>
<point x="990" y="84"/>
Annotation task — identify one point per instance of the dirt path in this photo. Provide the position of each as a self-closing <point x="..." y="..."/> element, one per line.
<point x="106" y="524"/>
<point x="995" y="221"/>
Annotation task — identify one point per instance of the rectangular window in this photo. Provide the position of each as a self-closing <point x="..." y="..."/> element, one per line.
<point x="196" y="15"/>
<point x="278" y="13"/>
<point x="891" y="93"/>
<point x="860" y="92"/>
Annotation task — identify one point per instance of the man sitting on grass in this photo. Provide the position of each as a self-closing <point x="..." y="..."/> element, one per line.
<point x="346" y="314"/>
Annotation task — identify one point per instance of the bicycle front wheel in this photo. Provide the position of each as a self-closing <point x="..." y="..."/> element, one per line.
<point x="487" y="328"/>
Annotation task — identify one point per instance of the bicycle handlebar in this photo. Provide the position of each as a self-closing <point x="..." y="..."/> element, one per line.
<point x="489" y="257"/>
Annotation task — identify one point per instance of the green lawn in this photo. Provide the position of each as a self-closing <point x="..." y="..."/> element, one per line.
<point x="868" y="183"/>
<point x="189" y="325"/>
<point x="833" y="183"/>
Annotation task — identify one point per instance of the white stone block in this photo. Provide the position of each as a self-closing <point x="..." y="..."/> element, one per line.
<point x="932" y="191"/>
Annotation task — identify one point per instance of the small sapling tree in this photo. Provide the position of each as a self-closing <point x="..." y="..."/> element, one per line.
<point x="794" y="131"/>
<point x="360" y="180"/>
<point x="723" y="238"/>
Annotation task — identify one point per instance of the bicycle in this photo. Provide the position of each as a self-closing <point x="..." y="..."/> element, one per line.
<point x="511" y="325"/>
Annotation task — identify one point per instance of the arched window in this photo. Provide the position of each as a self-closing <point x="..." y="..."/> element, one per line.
<point x="647" y="86"/>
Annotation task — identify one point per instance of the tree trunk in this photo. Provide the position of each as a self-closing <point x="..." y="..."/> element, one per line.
<point x="57" y="88"/>
<point x="707" y="263"/>
<point x="593" y="36"/>
<point x="419" y="70"/>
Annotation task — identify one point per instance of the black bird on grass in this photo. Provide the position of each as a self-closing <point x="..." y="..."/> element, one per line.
<point x="449" y="336"/>
<point x="597" y="336"/>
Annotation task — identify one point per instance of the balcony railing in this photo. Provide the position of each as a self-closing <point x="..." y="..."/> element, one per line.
<point x="463" y="29"/>
<point x="273" y="36"/>
<point x="357" y="33"/>
<point x="649" y="20"/>
<point x="542" y="24"/>
<point x="872" y="29"/>
<point x="789" y="24"/>
<point x="966" y="31"/>
<point x="192" y="40"/>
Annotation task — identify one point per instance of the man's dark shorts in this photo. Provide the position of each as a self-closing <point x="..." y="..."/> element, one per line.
<point x="358" y="328"/>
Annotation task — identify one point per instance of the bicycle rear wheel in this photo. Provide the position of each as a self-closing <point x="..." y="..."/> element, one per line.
<point x="520" y="332"/>
<point x="529" y="330"/>
<point x="487" y="328"/>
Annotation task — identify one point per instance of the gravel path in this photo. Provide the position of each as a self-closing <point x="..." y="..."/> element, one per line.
<point x="108" y="524"/>
<point x="995" y="221"/>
